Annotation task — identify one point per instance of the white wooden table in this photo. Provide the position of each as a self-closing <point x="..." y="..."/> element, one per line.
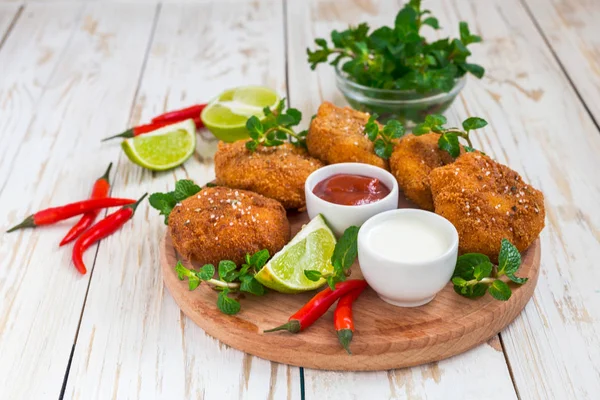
<point x="73" y="72"/>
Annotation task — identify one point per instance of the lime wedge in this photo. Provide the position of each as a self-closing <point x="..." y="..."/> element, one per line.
<point x="164" y="148"/>
<point x="310" y="249"/>
<point x="226" y="115"/>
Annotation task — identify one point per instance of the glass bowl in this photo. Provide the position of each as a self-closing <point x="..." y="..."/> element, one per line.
<point x="407" y="106"/>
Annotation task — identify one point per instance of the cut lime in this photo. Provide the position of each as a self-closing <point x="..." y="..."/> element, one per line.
<point x="310" y="249"/>
<point x="226" y="115"/>
<point x="164" y="148"/>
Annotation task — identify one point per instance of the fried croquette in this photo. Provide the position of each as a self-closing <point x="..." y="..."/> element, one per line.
<point x="224" y="224"/>
<point x="277" y="172"/>
<point x="412" y="161"/>
<point x="336" y="135"/>
<point x="487" y="201"/>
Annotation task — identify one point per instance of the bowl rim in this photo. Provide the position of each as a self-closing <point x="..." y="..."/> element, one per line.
<point x="374" y="220"/>
<point x="367" y="167"/>
<point x="342" y="77"/>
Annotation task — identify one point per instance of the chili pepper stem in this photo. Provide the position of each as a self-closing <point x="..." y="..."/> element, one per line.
<point x="107" y="173"/>
<point x="291" y="326"/>
<point x="133" y="206"/>
<point x="126" y="134"/>
<point x="345" y="337"/>
<point x="27" y="223"/>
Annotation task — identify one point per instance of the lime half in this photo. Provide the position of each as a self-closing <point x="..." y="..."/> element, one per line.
<point x="164" y="148"/>
<point x="226" y="115"/>
<point x="310" y="249"/>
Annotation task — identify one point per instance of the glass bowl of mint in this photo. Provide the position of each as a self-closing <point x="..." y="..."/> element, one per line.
<point x="395" y="72"/>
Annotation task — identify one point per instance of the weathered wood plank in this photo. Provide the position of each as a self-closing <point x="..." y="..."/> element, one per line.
<point x="80" y="91"/>
<point x="571" y="29"/>
<point x="8" y="15"/>
<point x="134" y="342"/>
<point x="464" y="375"/>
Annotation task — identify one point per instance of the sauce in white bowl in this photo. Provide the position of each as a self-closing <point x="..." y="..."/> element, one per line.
<point x="407" y="255"/>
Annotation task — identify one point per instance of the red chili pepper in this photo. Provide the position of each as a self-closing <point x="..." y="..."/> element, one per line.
<point x="101" y="230"/>
<point x="180" y="115"/>
<point x="318" y="305"/>
<point x="342" y="318"/>
<point x="99" y="191"/>
<point x="55" y="214"/>
<point x="147" y="128"/>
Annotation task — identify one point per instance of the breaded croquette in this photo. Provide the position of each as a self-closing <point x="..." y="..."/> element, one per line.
<point x="277" y="172"/>
<point x="224" y="224"/>
<point x="336" y="135"/>
<point x="487" y="201"/>
<point x="412" y="161"/>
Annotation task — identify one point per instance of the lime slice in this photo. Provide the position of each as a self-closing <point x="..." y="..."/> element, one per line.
<point x="226" y="115"/>
<point x="310" y="249"/>
<point x="164" y="148"/>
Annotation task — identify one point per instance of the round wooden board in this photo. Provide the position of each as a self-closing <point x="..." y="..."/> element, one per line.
<point x="386" y="336"/>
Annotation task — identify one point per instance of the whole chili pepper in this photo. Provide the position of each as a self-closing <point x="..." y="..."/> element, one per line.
<point x="101" y="230"/>
<point x="318" y="305"/>
<point x="147" y="128"/>
<point x="342" y="318"/>
<point x="99" y="191"/>
<point x="55" y="214"/>
<point x="180" y="115"/>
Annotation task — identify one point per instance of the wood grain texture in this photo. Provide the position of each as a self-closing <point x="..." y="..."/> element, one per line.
<point x="134" y="342"/>
<point x="571" y="29"/>
<point x="387" y="337"/>
<point x="307" y="90"/>
<point x="8" y="15"/>
<point x="65" y="77"/>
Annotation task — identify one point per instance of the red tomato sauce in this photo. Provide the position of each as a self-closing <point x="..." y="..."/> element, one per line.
<point x="351" y="190"/>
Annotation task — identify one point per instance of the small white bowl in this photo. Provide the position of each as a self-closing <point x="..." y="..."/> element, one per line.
<point x="407" y="283"/>
<point x="340" y="217"/>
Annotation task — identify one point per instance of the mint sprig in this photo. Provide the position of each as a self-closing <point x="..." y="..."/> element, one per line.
<point x="344" y="255"/>
<point x="474" y="274"/>
<point x="229" y="279"/>
<point x="165" y="202"/>
<point x="449" y="137"/>
<point x="383" y="138"/>
<point x="276" y="128"/>
<point x="399" y="56"/>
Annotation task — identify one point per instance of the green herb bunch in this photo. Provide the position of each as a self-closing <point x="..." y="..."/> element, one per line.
<point x="448" y="140"/>
<point x="344" y="255"/>
<point x="383" y="138"/>
<point x="399" y="57"/>
<point x="475" y="274"/>
<point x="165" y="202"/>
<point x="230" y="279"/>
<point x="276" y="128"/>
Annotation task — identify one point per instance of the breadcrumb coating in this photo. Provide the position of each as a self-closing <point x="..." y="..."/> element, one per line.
<point x="336" y="135"/>
<point x="224" y="224"/>
<point x="487" y="201"/>
<point x="277" y="172"/>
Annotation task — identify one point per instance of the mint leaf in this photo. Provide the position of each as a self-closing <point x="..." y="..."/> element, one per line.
<point x="163" y="202"/>
<point x="500" y="290"/>
<point x="206" y="272"/>
<point x="509" y="259"/>
<point x="465" y="265"/>
<point x="284" y="119"/>
<point x="227" y="270"/>
<point x="295" y="114"/>
<point x="421" y="129"/>
<point x="458" y="281"/>
<point x="259" y="259"/>
<point x="432" y="22"/>
<point x="250" y="285"/>
<point x="312" y="275"/>
<point x="226" y="304"/>
<point x="435" y="119"/>
<point x="471" y="291"/>
<point x="473" y="123"/>
<point x="474" y="69"/>
<point x="183" y="272"/>
<point x="185" y="188"/>
<point x="251" y="145"/>
<point x="346" y="248"/>
<point x="381" y="149"/>
<point x="393" y="129"/>
<point x="482" y="270"/>
<point x="449" y="143"/>
<point x="254" y="127"/>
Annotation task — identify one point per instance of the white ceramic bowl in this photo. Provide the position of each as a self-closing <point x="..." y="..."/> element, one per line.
<point x="340" y="217"/>
<point x="412" y="283"/>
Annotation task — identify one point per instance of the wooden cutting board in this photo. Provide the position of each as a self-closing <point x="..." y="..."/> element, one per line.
<point x="386" y="336"/>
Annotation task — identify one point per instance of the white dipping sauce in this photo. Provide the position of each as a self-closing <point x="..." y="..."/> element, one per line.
<point x="407" y="239"/>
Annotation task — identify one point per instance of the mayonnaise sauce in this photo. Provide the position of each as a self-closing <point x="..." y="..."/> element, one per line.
<point x="407" y="239"/>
